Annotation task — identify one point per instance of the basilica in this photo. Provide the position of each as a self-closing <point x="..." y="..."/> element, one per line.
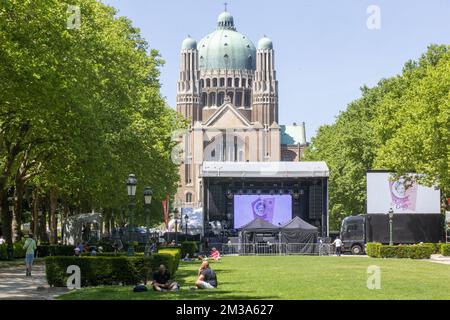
<point x="228" y="92"/>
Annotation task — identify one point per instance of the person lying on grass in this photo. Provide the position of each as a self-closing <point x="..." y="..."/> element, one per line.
<point x="207" y="278"/>
<point x="161" y="280"/>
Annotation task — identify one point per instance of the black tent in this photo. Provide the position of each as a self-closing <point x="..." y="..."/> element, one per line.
<point x="300" y="232"/>
<point x="257" y="226"/>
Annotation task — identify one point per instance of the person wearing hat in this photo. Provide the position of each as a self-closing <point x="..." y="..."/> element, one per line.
<point x="77" y="252"/>
<point x="30" y="246"/>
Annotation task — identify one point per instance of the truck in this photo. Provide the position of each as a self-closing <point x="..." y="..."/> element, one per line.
<point x="358" y="230"/>
<point x="399" y="210"/>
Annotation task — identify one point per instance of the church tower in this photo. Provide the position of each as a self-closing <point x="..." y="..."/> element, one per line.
<point x="265" y="85"/>
<point x="188" y="93"/>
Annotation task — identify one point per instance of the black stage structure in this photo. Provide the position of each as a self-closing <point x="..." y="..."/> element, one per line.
<point x="306" y="182"/>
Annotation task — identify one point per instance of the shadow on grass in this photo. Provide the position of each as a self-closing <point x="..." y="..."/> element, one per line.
<point x="126" y="293"/>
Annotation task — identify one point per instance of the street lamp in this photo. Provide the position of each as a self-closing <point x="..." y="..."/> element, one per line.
<point x="175" y="216"/>
<point x="148" y="193"/>
<point x="131" y="189"/>
<point x="391" y="218"/>
<point x="186" y="218"/>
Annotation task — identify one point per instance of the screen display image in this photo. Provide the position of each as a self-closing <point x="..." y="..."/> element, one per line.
<point x="276" y="209"/>
<point x="404" y="195"/>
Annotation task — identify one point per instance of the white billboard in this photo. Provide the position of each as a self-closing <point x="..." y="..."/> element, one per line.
<point x="403" y="195"/>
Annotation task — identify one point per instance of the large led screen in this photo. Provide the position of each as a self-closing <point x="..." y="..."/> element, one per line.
<point x="403" y="195"/>
<point x="276" y="209"/>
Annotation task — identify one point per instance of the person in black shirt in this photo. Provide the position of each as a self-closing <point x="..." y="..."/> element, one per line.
<point x="161" y="280"/>
<point x="207" y="278"/>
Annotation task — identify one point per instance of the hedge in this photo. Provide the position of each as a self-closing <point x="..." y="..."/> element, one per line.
<point x="436" y="247"/>
<point x="55" y="250"/>
<point x="373" y="249"/>
<point x="445" y="249"/>
<point x="406" y="251"/>
<point x="190" y="247"/>
<point x="104" y="270"/>
<point x="19" y="251"/>
<point x="173" y="254"/>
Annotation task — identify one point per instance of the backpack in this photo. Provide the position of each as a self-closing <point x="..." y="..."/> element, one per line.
<point x="140" y="288"/>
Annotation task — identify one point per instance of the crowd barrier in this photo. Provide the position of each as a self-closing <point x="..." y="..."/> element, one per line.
<point x="318" y="249"/>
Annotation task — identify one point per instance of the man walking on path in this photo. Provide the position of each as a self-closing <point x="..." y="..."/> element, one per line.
<point x="29" y="246"/>
<point x="338" y="244"/>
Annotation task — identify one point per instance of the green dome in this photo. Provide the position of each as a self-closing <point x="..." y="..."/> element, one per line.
<point x="265" y="44"/>
<point x="226" y="48"/>
<point x="189" y="44"/>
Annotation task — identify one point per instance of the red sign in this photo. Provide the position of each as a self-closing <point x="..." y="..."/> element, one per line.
<point x="165" y="212"/>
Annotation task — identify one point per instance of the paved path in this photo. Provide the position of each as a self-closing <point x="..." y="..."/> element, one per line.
<point x="14" y="285"/>
<point x="440" y="259"/>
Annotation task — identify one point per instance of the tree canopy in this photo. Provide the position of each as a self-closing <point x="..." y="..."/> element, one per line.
<point x="402" y="124"/>
<point x="80" y="109"/>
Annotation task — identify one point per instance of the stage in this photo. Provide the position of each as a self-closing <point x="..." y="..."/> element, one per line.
<point x="234" y="193"/>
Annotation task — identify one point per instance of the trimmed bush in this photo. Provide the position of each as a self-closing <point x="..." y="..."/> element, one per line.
<point x="190" y="247"/>
<point x="54" y="250"/>
<point x="19" y="251"/>
<point x="406" y="251"/>
<point x="169" y="255"/>
<point x="436" y="247"/>
<point x="373" y="249"/>
<point x="110" y="270"/>
<point x="445" y="249"/>
<point x="94" y="270"/>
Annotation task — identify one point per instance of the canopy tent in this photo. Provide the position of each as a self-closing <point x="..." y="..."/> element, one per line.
<point x="257" y="226"/>
<point x="299" y="231"/>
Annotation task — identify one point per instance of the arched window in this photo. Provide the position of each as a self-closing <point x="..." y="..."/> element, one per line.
<point x="231" y="96"/>
<point x="208" y="83"/>
<point x="212" y="99"/>
<point x="244" y="82"/>
<point x="236" y="82"/>
<point x="222" y="82"/>
<point x="204" y="99"/>
<point x="247" y="99"/>
<point x="202" y="83"/>
<point x="214" y="82"/>
<point x="238" y="99"/>
<point x="189" y="197"/>
<point x="220" y="98"/>
<point x="230" y="82"/>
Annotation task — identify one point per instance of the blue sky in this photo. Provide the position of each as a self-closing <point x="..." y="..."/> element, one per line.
<point x="324" y="50"/>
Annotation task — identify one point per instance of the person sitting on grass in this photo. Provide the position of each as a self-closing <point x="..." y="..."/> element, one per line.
<point x="207" y="278"/>
<point x="215" y="254"/>
<point x="161" y="280"/>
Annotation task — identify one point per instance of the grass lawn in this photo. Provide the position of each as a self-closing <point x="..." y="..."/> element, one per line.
<point x="297" y="277"/>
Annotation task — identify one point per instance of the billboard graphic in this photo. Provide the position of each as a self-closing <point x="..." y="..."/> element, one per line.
<point x="403" y="195"/>
<point x="276" y="209"/>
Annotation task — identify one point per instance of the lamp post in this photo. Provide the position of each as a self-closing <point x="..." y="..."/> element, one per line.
<point x="131" y="190"/>
<point x="148" y="193"/>
<point x="391" y="218"/>
<point x="186" y="218"/>
<point x="175" y="216"/>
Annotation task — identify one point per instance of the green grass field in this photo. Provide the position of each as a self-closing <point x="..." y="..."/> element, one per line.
<point x="297" y="277"/>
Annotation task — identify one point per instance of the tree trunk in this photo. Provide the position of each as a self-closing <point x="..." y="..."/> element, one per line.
<point x="6" y="217"/>
<point x="42" y="217"/>
<point x="35" y="212"/>
<point x="19" y="192"/>
<point x="53" y="222"/>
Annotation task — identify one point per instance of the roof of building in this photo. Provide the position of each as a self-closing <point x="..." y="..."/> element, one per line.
<point x="301" y="169"/>
<point x="189" y="44"/>
<point x="265" y="44"/>
<point x="226" y="48"/>
<point x="293" y="134"/>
